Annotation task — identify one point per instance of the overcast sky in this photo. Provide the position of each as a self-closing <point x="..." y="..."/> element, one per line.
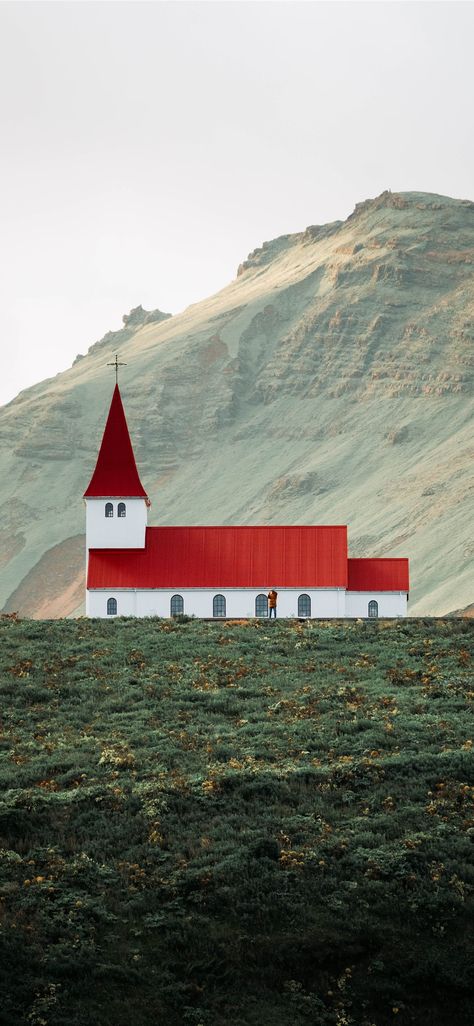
<point x="146" y="148"/>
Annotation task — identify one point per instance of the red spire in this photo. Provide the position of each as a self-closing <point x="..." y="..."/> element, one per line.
<point x="116" y="473"/>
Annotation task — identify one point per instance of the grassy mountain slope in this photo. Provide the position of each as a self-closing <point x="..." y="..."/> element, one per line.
<point x="330" y="382"/>
<point x="236" y="824"/>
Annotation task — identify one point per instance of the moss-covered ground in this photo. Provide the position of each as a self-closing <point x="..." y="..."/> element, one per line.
<point x="237" y="823"/>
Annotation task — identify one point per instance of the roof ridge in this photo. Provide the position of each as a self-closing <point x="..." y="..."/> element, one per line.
<point x="249" y="527"/>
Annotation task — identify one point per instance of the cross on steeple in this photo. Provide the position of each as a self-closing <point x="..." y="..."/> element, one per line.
<point x="116" y="363"/>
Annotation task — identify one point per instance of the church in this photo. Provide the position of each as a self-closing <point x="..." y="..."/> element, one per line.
<point x="218" y="572"/>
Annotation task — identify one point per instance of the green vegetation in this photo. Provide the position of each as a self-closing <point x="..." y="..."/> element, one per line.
<point x="236" y="824"/>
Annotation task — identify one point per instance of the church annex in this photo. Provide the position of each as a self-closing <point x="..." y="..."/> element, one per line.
<point x="136" y="570"/>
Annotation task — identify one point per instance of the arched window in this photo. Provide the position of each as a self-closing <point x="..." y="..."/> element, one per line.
<point x="112" y="607"/>
<point x="177" y="605"/>
<point x="373" y="608"/>
<point x="121" y="510"/>
<point x="304" y="605"/>
<point x="218" y="605"/>
<point x="261" y="605"/>
<point x="109" y="509"/>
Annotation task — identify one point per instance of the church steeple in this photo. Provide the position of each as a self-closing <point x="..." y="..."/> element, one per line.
<point x="116" y="501"/>
<point x="116" y="473"/>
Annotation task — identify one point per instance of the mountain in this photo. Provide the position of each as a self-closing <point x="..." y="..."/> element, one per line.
<point x="330" y="382"/>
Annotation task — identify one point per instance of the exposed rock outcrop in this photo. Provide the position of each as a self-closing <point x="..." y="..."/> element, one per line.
<point x="133" y="320"/>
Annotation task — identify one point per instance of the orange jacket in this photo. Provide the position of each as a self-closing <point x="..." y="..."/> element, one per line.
<point x="272" y="599"/>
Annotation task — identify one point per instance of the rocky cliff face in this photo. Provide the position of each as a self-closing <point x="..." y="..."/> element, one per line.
<point x="329" y="383"/>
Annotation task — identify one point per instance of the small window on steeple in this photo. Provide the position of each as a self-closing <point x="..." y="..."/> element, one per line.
<point x="109" y="509"/>
<point x="121" y="510"/>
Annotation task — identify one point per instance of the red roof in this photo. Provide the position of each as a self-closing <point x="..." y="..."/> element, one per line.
<point x="226" y="557"/>
<point x="116" y="473"/>
<point x="378" y="575"/>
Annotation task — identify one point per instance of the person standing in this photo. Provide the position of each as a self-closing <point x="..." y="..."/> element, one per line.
<point x="272" y="603"/>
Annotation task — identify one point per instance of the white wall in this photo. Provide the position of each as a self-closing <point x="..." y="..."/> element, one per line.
<point x="199" y="602"/>
<point x="115" y="532"/>
<point x="391" y="603"/>
<point x="325" y="602"/>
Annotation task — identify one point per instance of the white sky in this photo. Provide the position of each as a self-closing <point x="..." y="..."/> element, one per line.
<point x="146" y="148"/>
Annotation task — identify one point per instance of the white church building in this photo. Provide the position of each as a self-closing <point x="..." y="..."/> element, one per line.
<point x="217" y="572"/>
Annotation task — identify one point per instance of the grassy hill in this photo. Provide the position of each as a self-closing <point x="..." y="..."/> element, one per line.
<point x="329" y="383"/>
<point x="240" y="823"/>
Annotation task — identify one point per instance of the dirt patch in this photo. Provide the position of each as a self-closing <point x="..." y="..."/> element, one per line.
<point x="467" y="611"/>
<point x="214" y="351"/>
<point x="54" y="587"/>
